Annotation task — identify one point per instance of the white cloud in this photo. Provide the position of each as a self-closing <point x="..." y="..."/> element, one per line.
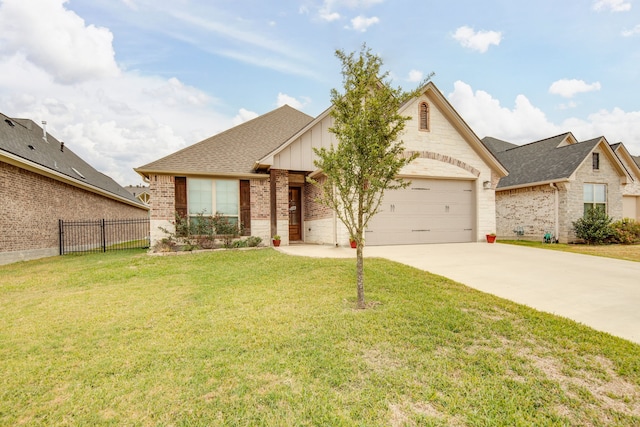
<point x="612" y="5"/>
<point x="57" y="40"/>
<point x="327" y="11"/>
<point x="568" y="88"/>
<point x="485" y="115"/>
<point x="479" y="41"/>
<point x="632" y="32"/>
<point x="243" y="115"/>
<point x="525" y="123"/>
<point x="284" y="99"/>
<point x="362" y="23"/>
<point x="568" y="106"/>
<point x="415" y="76"/>
<point x="115" y="120"/>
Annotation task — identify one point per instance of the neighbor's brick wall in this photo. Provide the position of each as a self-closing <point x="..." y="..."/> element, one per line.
<point x="32" y="204"/>
<point x="532" y="208"/>
<point x="607" y="174"/>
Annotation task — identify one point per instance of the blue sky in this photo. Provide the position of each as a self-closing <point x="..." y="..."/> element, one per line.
<point x="124" y="82"/>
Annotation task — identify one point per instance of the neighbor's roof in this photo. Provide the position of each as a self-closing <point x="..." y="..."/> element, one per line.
<point x="547" y="160"/>
<point x="234" y="151"/>
<point x="22" y="143"/>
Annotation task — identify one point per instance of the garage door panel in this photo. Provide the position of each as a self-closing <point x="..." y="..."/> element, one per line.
<point x="429" y="211"/>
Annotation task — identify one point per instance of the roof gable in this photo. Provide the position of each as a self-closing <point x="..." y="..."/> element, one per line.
<point x="548" y="160"/>
<point x="234" y="151"/>
<point x="434" y="95"/>
<point x="23" y="143"/>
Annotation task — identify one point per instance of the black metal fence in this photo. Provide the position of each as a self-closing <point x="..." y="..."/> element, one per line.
<point x="103" y="235"/>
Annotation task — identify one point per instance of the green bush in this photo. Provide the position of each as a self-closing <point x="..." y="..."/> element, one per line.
<point x="201" y="231"/>
<point x="595" y="227"/>
<point x="626" y="231"/>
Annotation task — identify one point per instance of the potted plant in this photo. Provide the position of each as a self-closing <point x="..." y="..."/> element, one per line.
<point x="352" y="242"/>
<point x="276" y="240"/>
<point x="491" y="237"/>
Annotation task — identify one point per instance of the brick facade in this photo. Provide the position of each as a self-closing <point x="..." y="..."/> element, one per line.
<point x="162" y="190"/>
<point x="260" y="200"/>
<point x="32" y="204"/>
<point x="312" y="209"/>
<point x="534" y="208"/>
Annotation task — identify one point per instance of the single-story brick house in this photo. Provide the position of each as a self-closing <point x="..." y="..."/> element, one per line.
<point x="552" y="182"/>
<point x="43" y="181"/>
<point x="255" y="173"/>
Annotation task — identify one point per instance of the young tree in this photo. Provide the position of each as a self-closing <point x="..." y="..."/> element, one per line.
<point x="368" y="156"/>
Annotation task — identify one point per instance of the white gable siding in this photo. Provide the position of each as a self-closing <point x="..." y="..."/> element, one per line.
<point x="299" y="155"/>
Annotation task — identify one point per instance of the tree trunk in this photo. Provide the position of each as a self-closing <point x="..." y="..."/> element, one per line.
<point x="360" y="274"/>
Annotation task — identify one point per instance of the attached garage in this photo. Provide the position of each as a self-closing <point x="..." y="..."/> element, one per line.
<point x="428" y="211"/>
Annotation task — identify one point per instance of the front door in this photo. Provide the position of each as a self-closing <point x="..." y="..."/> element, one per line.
<point x="295" y="214"/>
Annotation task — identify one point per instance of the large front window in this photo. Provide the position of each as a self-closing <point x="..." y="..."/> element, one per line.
<point x="211" y="196"/>
<point x="595" y="197"/>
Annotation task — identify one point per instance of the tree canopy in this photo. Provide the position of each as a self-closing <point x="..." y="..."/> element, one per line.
<point x="368" y="157"/>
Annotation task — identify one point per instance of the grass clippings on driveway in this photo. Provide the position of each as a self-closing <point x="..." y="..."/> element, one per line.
<point x="249" y="338"/>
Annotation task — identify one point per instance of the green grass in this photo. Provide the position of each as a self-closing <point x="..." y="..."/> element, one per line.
<point x="251" y="338"/>
<point x="624" y="252"/>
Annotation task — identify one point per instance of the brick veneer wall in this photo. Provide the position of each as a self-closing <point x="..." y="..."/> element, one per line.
<point x="162" y="197"/>
<point x="260" y="199"/>
<point x="32" y="204"/>
<point x="533" y="208"/>
<point x="530" y="208"/>
<point x="312" y="209"/>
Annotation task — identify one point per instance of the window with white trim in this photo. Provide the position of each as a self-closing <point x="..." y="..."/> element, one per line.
<point x="211" y="196"/>
<point x="595" y="197"/>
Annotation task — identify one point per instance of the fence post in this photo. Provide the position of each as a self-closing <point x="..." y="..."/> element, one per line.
<point x="61" y="235"/>
<point x="104" y="237"/>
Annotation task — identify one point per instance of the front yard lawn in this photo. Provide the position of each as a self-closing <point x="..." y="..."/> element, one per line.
<point x="255" y="337"/>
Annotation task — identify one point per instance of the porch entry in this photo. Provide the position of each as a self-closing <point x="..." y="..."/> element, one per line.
<point x="295" y="214"/>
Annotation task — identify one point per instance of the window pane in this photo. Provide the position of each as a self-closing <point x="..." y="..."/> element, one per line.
<point x="227" y="197"/>
<point x="600" y="193"/>
<point x="588" y="193"/>
<point x="587" y="207"/>
<point x="200" y="198"/>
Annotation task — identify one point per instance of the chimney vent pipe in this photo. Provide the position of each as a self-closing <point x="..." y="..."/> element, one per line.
<point x="44" y="130"/>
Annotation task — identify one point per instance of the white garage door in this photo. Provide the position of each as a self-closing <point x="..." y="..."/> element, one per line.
<point x="428" y="211"/>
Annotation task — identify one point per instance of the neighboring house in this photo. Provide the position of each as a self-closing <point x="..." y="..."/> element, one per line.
<point x="140" y="192"/>
<point x="255" y="173"/>
<point x="43" y="181"/>
<point x="552" y="182"/>
<point x="631" y="191"/>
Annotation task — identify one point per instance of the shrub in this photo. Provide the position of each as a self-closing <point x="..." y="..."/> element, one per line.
<point x="253" y="241"/>
<point x="595" y="227"/>
<point x="201" y="231"/>
<point x="626" y="231"/>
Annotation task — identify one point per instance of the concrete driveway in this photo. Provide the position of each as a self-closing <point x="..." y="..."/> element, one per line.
<point x="602" y="293"/>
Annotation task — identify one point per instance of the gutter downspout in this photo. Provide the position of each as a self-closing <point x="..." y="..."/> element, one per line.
<point x="557" y="209"/>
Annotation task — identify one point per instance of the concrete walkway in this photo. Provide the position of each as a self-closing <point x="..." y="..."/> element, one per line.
<point x="602" y="293"/>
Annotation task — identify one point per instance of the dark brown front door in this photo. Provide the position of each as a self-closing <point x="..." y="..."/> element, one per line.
<point x="295" y="214"/>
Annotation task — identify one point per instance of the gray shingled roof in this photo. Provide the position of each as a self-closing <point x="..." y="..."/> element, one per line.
<point x="23" y="138"/>
<point x="540" y="161"/>
<point x="235" y="150"/>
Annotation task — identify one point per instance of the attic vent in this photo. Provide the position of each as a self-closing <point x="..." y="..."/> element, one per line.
<point x="9" y="122"/>
<point x="78" y="172"/>
<point x="31" y="147"/>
